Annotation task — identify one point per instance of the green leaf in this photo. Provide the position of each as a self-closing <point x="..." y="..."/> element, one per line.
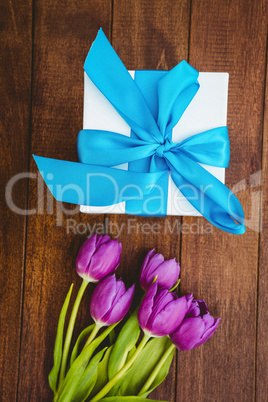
<point x="83" y="334"/>
<point x="53" y="375"/>
<point x="78" y="367"/>
<point x="88" y="379"/>
<point x="131" y="352"/>
<point x="102" y="372"/>
<point x="112" y="337"/>
<point x="143" y="366"/>
<point x="126" y="340"/>
<point x="114" y="390"/>
<point x="163" y="372"/>
<point x="127" y="399"/>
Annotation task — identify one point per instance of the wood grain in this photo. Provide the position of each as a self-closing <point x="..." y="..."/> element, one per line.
<point x="15" y="93"/>
<point x="262" y="330"/>
<point x="150" y="35"/>
<point x="64" y="32"/>
<point x="41" y="112"/>
<point x="223" y="268"/>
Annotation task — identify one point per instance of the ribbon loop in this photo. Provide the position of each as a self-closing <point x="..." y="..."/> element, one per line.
<point x="174" y="99"/>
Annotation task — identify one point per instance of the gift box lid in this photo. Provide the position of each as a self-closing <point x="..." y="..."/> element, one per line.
<point x="207" y="110"/>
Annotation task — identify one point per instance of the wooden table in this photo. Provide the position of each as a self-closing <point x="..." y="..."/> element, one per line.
<point x="44" y="44"/>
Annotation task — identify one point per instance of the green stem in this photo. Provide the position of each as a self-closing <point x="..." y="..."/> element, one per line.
<point x="70" y="329"/>
<point x="123" y="370"/>
<point x="156" y="370"/>
<point x="92" y="335"/>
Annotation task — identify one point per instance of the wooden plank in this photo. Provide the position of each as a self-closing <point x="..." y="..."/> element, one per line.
<point x="15" y="78"/>
<point x="262" y="330"/>
<point x="219" y="267"/>
<point x="149" y="35"/>
<point x="64" y="32"/>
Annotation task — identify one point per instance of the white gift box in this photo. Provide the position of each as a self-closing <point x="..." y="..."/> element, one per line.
<point x="207" y="110"/>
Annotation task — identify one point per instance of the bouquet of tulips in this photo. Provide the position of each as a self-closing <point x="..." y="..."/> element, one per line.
<point x="103" y="366"/>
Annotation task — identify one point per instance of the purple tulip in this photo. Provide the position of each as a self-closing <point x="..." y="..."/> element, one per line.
<point x="98" y="257"/>
<point x="197" y="327"/>
<point x="110" y="301"/>
<point x="167" y="272"/>
<point x="161" y="311"/>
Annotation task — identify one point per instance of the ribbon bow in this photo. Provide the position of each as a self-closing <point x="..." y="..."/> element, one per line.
<point x="151" y="105"/>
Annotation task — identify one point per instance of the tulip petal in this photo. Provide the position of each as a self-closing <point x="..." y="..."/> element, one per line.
<point x="120" y="290"/>
<point x="146" y="306"/>
<point x="106" y="259"/>
<point x="101" y="239"/>
<point x="102" y="297"/>
<point x="167" y="273"/>
<point x="154" y="262"/>
<point x="147" y="258"/>
<point x="208" y="321"/>
<point x="171" y="316"/>
<point x="98" y="257"/>
<point x="118" y="311"/>
<point x="85" y="253"/>
<point x="162" y="298"/>
<point x="194" y="310"/>
<point x="203" y="307"/>
<point x="144" y="269"/>
<point x="209" y="332"/>
<point x="188" y="333"/>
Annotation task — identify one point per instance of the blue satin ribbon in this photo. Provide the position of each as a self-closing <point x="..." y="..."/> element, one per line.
<point x="151" y="105"/>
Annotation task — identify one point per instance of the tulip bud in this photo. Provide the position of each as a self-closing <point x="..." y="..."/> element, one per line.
<point x="197" y="327"/>
<point x="161" y="311"/>
<point x="110" y="301"/>
<point x="167" y="272"/>
<point x="98" y="257"/>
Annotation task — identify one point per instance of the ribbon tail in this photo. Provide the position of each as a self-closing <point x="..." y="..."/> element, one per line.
<point x="83" y="184"/>
<point x="110" y="76"/>
<point x="207" y="194"/>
